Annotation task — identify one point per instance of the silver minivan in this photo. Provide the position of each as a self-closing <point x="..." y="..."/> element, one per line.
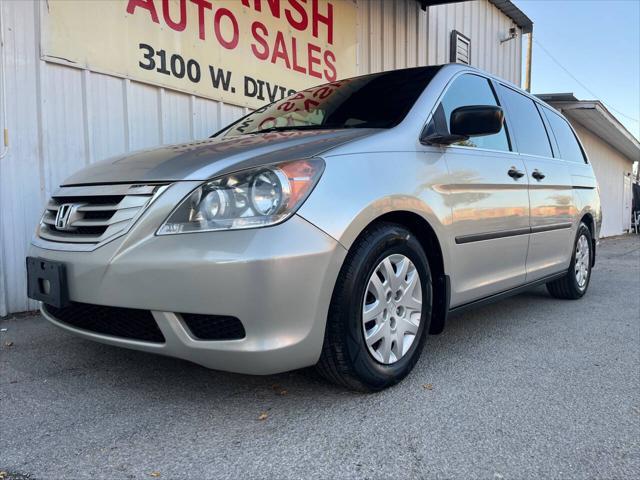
<point x="337" y="227"/>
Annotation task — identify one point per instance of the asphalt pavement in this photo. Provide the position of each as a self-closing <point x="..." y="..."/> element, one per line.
<point x="529" y="387"/>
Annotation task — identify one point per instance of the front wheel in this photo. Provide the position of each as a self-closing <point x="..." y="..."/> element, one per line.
<point x="575" y="283"/>
<point x="380" y="311"/>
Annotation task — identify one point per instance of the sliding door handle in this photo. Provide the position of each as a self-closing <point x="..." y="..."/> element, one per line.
<point x="515" y="173"/>
<point x="538" y="175"/>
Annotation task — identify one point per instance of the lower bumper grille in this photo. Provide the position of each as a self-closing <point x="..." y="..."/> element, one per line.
<point x="214" y="327"/>
<point x="120" y="322"/>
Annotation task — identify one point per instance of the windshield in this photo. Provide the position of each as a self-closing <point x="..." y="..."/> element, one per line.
<point x="380" y="100"/>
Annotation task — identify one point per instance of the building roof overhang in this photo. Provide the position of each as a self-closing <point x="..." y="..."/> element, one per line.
<point x="595" y="117"/>
<point x="505" y="6"/>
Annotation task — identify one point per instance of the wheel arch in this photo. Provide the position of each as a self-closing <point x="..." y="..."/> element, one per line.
<point x="430" y="242"/>
<point x="589" y="221"/>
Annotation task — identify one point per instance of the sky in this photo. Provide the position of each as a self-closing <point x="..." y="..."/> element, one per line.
<point x="598" y="42"/>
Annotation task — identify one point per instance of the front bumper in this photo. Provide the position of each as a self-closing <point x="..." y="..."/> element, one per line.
<point x="278" y="281"/>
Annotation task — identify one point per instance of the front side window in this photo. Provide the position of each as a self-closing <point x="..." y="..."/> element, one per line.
<point x="567" y="143"/>
<point x="380" y="100"/>
<point x="526" y="121"/>
<point x="469" y="90"/>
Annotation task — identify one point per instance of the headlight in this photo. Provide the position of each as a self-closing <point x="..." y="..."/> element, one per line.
<point x="251" y="198"/>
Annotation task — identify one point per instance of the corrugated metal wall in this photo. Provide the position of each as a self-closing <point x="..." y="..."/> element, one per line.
<point x="61" y="119"/>
<point x="610" y="167"/>
<point x="398" y="34"/>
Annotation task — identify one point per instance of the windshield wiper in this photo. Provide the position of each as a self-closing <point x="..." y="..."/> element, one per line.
<point x="306" y="127"/>
<point x="284" y="129"/>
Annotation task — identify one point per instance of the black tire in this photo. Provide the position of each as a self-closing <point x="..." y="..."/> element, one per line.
<point x="345" y="358"/>
<point x="567" y="287"/>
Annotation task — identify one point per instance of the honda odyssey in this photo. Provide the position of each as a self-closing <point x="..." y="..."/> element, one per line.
<point x="337" y="227"/>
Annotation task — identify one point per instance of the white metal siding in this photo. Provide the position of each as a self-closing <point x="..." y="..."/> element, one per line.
<point x="61" y="119"/>
<point x="400" y="34"/>
<point x="610" y="167"/>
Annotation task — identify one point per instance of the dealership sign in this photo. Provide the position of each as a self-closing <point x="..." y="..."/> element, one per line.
<point x="244" y="52"/>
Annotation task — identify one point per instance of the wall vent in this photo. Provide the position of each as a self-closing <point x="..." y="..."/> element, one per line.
<point x="460" y="50"/>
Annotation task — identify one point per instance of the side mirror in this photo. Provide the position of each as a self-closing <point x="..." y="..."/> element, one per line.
<point x="465" y="122"/>
<point x="476" y="120"/>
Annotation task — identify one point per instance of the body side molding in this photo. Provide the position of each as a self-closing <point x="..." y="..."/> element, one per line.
<point x="478" y="237"/>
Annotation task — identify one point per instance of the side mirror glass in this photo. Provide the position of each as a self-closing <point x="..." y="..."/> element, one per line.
<point x="465" y="122"/>
<point x="476" y="120"/>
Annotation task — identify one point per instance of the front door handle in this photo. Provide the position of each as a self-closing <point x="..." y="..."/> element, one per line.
<point x="538" y="175"/>
<point x="515" y="173"/>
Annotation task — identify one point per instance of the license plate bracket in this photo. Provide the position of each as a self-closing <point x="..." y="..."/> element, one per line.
<point x="47" y="282"/>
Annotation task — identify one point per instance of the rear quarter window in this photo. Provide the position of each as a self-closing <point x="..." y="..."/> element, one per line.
<point x="568" y="146"/>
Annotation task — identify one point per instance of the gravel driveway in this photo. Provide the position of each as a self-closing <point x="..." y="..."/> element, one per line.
<point x="526" y="388"/>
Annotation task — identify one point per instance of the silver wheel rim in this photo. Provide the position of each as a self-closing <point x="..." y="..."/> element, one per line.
<point x="392" y="309"/>
<point x="582" y="261"/>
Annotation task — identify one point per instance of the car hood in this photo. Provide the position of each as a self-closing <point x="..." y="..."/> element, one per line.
<point x="214" y="156"/>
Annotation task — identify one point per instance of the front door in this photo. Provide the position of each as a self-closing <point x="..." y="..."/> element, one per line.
<point x="488" y="197"/>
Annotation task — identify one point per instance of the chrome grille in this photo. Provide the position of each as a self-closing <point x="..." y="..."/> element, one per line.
<point x="94" y="214"/>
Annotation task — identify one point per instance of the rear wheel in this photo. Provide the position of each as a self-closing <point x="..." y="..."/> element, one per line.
<point x="575" y="283"/>
<point x="380" y="311"/>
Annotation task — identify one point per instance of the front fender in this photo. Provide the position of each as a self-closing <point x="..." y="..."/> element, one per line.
<point x="356" y="189"/>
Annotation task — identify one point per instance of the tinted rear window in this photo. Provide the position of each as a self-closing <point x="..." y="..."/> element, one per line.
<point x="567" y="143"/>
<point x="530" y="133"/>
